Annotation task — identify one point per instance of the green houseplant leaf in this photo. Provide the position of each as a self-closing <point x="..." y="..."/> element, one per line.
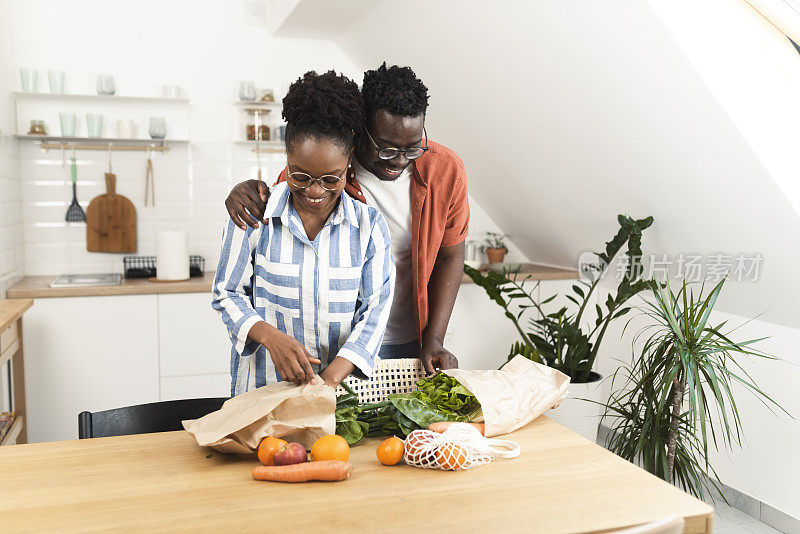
<point x="560" y="339"/>
<point x="661" y="414"/>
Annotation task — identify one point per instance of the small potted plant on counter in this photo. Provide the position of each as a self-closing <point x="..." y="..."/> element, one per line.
<point x="495" y="247"/>
<point x="566" y="339"/>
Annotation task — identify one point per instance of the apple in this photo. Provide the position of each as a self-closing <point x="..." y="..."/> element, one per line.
<point x="291" y="453"/>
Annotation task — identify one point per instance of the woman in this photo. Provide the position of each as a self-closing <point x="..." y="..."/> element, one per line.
<point x="310" y="291"/>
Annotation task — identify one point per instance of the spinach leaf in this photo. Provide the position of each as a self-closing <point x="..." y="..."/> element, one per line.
<point x="439" y="398"/>
<point x="417" y="410"/>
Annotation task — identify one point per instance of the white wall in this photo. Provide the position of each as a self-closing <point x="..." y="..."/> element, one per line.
<point x="567" y="113"/>
<point x="204" y="46"/>
<point x="11" y="247"/>
<point x="755" y="79"/>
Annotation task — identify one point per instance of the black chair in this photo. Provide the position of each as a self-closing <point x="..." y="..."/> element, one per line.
<point x="145" y="418"/>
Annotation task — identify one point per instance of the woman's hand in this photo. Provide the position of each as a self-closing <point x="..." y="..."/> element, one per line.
<point x="336" y="371"/>
<point x="248" y="199"/>
<point x="291" y="359"/>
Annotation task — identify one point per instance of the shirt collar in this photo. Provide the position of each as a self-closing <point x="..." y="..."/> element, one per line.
<point x="278" y="206"/>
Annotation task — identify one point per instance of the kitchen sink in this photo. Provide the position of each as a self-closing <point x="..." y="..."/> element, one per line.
<point x="87" y="280"/>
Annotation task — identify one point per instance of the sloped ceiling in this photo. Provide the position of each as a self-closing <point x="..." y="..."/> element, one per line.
<point x="568" y="112"/>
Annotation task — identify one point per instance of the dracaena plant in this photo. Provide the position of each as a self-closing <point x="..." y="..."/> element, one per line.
<point x="661" y="416"/>
<point x="559" y="339"/>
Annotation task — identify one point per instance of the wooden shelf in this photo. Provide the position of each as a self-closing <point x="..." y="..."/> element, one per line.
<point x="257" y="104"/>
<point x="98" y="140"/>
<point x="264" y="146"/>
<point x="8" y="353"/>
<point x="103" y="98"/>
<point x="532" y="271"/>
<point x="13" y="432"/>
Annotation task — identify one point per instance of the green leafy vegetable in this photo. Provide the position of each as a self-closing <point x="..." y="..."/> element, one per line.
<point x="440" y="398"/>
<point x="347" y="412"/>
<point x="448" y="395"/>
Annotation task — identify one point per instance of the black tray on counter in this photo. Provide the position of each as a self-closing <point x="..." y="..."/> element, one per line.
<point x="145" y="266"/>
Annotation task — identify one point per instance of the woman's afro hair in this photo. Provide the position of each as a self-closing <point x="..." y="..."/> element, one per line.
<point x="323" y="105"/>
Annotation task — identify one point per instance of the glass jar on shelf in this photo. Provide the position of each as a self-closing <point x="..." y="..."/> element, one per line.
<point x="263" y="132"/>
<point x="37" y="128"/>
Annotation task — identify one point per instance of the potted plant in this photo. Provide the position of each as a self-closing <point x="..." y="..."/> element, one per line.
<point x="685" y="371"/>
<point x="564" y="338"/>
<point x="495" y="247"/>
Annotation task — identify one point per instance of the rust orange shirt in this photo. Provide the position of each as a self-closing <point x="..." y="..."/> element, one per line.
<point x="439" y="215"/>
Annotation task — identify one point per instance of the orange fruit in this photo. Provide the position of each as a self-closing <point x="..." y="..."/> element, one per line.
<point x="418" y="447"/>
<point x="267" y="449"/>
<point x="331" y="447"/>
<point x="390" y="451"/>
<point x="450" y="456"/>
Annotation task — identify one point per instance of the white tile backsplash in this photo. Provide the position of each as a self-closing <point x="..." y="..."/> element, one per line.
<point x="11" y="227"/>
<point x="191" y="183"/>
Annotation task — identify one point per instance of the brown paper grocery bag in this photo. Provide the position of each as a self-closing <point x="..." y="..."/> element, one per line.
<point x="515" y="395"/>
<point x="294" y="413"/>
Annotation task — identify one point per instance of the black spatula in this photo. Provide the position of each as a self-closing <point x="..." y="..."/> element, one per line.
<point x="75" y="211"/>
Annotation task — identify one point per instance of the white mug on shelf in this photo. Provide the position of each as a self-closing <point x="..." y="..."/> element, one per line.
<point x="125" y="129"/>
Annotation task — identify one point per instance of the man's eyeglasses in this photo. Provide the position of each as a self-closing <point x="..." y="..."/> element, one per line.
<point x="329" y="182"/>
<point x="391" y="152"/>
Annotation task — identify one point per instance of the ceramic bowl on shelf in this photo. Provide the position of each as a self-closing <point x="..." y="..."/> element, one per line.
<point x="505" y="267"/>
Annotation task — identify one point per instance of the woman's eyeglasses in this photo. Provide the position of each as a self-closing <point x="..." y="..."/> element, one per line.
<point x="391" y="152"/>
<point x="329" y="182"/>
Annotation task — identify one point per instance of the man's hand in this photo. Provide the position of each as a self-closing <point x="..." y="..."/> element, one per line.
<point x="246" y="201"/>
<point x="434" y="356"/>
<point x="291" y="359"/>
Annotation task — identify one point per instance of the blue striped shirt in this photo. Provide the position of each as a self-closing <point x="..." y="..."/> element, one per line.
<point x="332" y="294"/>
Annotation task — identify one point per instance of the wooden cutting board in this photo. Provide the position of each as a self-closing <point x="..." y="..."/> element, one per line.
<point x="111" y="221"/>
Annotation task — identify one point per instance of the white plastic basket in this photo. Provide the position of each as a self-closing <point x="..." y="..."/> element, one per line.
<point x="388" y="377"/>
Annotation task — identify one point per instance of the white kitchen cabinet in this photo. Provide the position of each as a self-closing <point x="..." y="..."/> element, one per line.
<point x="196" y="386"/>
<point x="87" y="353"/>
<point x="191" y="338"/>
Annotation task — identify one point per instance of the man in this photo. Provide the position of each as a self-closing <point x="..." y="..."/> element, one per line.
<point x="420" y="188"/>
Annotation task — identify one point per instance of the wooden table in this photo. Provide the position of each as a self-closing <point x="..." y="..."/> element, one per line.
<point x="561" y="483"/>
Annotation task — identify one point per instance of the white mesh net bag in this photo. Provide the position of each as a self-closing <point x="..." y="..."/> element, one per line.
<point x="461" y="446"/>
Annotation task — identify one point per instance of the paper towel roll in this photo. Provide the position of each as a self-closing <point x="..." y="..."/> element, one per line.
<point x="172" y="261"/>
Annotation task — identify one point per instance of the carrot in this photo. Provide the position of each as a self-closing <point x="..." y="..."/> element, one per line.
<point x="326" y="470"/>
<point x="441" y="426"/>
